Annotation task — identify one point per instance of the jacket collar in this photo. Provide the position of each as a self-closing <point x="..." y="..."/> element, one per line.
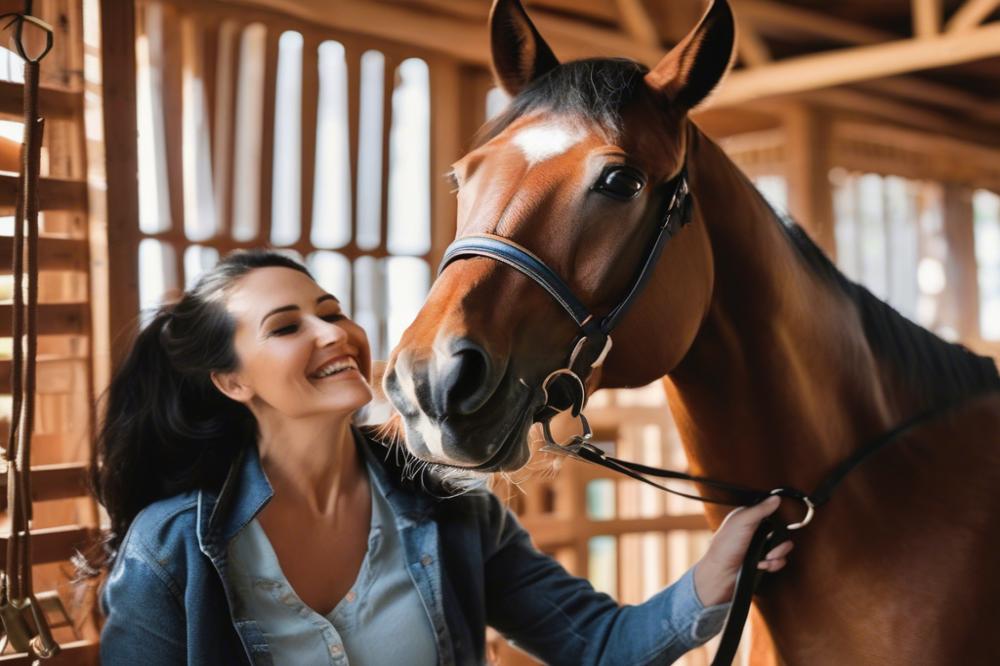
<point x="246" y="491"/>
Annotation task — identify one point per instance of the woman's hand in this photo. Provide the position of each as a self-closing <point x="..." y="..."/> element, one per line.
<point x="715" y="573"/>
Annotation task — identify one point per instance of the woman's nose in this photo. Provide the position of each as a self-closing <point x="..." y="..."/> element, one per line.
<point x="328" y="332"/>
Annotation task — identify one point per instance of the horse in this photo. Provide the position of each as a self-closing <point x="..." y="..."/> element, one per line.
<point x="776" y="366"/>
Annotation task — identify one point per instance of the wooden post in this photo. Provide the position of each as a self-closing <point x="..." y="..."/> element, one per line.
<point x="113" y="182"/>
<point x="810" y="200"/>
<point x="446" y="147"/>
<point x="961" y="300"/>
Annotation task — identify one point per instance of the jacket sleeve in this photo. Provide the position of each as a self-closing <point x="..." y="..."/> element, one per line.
<point x="561" y="619"/>
<point x="144" y="619"/>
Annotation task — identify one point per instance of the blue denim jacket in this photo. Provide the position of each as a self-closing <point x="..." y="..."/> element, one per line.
<point x="166" y="599"/>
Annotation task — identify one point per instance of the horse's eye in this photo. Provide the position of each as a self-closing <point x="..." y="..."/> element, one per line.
<point x="620" y="182"/>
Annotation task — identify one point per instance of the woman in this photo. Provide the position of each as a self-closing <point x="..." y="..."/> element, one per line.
<point x="252" y="523"/>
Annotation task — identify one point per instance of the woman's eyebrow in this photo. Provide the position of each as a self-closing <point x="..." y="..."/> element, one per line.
<point x="283" y="308"/>
<point x="288" y="308"/>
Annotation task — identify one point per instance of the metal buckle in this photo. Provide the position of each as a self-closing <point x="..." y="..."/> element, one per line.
<point x="810" y="508"/>
<point x="572" y="446"/>
<point x="577" y="404"/>
<point x="18" y="20"/>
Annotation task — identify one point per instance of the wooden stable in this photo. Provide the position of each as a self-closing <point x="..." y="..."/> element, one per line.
<point x="824" y="104"/>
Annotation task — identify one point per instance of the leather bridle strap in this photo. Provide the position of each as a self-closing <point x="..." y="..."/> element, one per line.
<point x="594" y="332"/>
<point x="767" y="535"/>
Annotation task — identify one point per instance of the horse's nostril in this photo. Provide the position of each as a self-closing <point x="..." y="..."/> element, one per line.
<point x="465" y="379"/>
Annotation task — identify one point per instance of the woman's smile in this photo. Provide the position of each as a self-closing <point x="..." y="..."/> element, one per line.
<point x="341" y="367"/>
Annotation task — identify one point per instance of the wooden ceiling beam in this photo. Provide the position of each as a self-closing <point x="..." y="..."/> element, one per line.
<point x="773" y="17"/>
<point x="464" y="38"/>
<point x="862" y="63"/>
<point x="635" y="21"/>
<point x="926" y="17"/>
<point x="752" y="48"/>
<point x="971" y="14"/>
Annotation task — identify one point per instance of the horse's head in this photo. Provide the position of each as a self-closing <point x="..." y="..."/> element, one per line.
<point x="579" y="170"/>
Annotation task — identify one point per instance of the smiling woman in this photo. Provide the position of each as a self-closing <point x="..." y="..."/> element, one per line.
<point x="252" y="522"/>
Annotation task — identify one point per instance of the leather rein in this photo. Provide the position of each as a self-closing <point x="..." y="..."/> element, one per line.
<point x="590" y="348"/>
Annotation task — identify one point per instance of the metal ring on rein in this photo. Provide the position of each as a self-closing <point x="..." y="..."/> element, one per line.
<point x="810" y="510"/>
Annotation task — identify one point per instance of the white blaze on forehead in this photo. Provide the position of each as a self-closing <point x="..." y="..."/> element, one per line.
<point x="541" y="142"/>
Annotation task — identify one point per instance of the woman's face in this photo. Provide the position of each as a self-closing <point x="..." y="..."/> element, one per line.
<point x="299" y="355"/>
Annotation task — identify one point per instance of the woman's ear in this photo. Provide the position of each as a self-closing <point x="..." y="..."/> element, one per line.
<point x="520" y="55"/>
<point x="695" y="66"/>
<point x="229" y="384"/>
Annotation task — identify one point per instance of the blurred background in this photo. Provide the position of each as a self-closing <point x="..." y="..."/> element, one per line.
<point x="178" y="130"/>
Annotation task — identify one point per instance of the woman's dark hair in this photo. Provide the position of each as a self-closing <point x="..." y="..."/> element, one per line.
<point x="166" y="428"/>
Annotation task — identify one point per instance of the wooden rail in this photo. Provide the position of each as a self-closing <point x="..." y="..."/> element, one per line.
<point x="52" y="544"/>
<point x="53" y="318"/>
<point x="52" y="103"/>
<point x="76" y="653"/>
<point x="52" y="482"/>
<point x="53" y="193"/>
<point x="54" y="254"/>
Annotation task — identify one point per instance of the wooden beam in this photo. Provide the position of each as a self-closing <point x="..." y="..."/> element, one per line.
<point x="825" y="70"/>
<point x="54" y="254"/>
<point x="53" y="193"/>
<point x="52" y="544"/>
<point x="807" y="159"/>
<point x="52" y="103"/>
<point x="926" y="17"/>
<point x="971" y="14"/>
<point x="778" y="17"/>
<point x="75" y="653"/>
<point x="462" y="38"/>
<point x="52" y="482"/>
<point x="635" y="21"/>
<point x="53" y="318"/>
<point x="55" y="375"/>
<point x="552" y="530"/>
<point x="113" y="158"/>
<point x="960" y="301"/>
<point x="752" y="49"/>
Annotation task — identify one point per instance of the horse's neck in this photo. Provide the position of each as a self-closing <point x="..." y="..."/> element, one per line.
<point x="780" y="383"/>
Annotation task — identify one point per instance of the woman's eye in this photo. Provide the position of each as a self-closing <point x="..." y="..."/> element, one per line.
<point x="334" y="317"/>
<point x="285" y="330"/>
<point x="620" y="182"/>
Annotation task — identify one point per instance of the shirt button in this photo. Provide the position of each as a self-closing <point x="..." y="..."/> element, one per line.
<point x="336" y="650"/>
<point x="426" y="560"/>
<point x="350" y="596"/>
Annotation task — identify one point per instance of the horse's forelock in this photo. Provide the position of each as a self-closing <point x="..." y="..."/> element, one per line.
<point x="596" y="90"/>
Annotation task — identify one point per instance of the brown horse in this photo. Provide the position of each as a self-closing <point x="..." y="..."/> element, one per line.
<point x="776" y="366"/>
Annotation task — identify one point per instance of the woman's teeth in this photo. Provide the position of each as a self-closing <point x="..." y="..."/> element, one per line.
<point x="335" y="367"/>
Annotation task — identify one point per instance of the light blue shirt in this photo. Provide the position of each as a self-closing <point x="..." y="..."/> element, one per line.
<point x="383" y="601"/>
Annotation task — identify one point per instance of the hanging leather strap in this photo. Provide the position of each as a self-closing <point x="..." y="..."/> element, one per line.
<point x="24" y="621"/>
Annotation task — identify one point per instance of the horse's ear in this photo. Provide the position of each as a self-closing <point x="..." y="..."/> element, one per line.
<point x="695" y="66"/>
<point x="520" y="55"/>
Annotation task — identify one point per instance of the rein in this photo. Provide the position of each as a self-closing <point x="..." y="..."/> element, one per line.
<point x="589" y="350"/>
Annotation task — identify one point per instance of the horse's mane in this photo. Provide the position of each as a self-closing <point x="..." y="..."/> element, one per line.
<point x="940" y="371"/>
<point x="595" y="89"/>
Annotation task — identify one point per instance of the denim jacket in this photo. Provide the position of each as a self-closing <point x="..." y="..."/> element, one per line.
<point x="166" y="599"/>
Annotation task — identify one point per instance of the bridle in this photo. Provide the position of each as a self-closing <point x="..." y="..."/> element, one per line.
<point x="593" y="342"/>
<point x="589" y="350"/>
